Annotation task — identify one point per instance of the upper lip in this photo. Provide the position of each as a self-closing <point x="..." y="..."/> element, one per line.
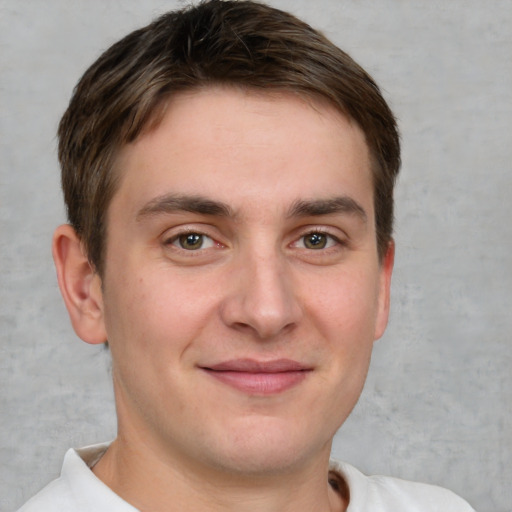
<point x="254" y="366"/>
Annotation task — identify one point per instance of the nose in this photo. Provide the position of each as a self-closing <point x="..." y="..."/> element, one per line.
<point x="261" y="299"/>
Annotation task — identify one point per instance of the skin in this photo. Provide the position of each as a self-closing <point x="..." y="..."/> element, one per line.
<point x="278" y="190"/>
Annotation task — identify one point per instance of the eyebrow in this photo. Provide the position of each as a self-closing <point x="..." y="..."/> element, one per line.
<point x="318" y="207"/>
<point x="171" y="203"/>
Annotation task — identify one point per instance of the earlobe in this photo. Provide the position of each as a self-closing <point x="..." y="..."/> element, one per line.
<point x="386" y="271"/>
<point x="79" y="285"/>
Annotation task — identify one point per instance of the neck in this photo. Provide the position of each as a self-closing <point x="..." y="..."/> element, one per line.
<point x="151" y="481"/>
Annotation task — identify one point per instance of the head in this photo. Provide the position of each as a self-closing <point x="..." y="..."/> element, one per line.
<point x="229" y="175"/>
<point x="245" y="45"/>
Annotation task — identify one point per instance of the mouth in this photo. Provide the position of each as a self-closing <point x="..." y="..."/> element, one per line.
<point x="259" y="377"/>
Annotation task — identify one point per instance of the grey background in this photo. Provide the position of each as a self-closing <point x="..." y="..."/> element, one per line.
<point x="438" y="403"/>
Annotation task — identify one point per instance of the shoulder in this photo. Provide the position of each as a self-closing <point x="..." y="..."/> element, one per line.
<point x="55" y="496"/>
<point x="387" y="494"/>
<point x="78" y="489"/>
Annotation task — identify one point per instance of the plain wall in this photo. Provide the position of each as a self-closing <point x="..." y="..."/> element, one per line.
<point x="438" y="402"/>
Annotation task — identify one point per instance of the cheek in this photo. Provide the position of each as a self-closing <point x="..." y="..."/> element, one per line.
<point x="345" y="306"/>
<point x="156" y="308"/>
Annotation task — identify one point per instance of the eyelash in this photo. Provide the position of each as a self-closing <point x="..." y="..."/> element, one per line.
<point x="175" y="238"/>
<point x="332" y="242"/>
<point x="337" y="242"/>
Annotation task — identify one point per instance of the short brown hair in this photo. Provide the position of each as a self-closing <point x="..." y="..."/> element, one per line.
<point x="241" y="43"/>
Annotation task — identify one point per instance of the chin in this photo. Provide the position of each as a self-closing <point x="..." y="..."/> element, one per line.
<point x="258" y="462"/>
<point x="268" y="448"/>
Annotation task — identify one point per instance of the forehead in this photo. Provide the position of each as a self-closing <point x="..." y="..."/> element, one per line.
<point x="247" y="141"/>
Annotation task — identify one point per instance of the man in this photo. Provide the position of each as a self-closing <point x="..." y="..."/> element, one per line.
<point x="228" y="175"/>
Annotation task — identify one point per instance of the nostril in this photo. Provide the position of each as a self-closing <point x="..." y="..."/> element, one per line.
<point x="262" y="300"/>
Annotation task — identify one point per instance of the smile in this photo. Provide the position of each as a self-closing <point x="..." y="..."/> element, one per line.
<point x="260" y="378"/>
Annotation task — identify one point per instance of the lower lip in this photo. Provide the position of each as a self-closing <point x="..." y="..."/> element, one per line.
<point x="259" y="383"/>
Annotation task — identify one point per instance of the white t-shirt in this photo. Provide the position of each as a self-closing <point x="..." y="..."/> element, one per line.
<point x="79" y="490"/>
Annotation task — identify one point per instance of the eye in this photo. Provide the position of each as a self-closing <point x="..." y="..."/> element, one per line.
<point x="192" y="241"/>
<point x="317" y="240"/>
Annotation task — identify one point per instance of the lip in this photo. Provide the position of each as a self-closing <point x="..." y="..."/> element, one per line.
<point x="259" y="377"/>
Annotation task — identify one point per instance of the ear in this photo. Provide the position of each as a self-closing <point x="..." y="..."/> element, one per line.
<point x="79" y="284"/>
<point x="386" y="270"/>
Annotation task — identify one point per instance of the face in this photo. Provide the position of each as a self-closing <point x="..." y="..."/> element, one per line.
<point x="242" y="290"/>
